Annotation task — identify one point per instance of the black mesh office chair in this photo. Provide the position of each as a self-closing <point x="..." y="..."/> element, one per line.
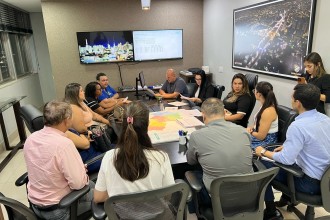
<point x="285" y="117"/>
<point x="252" y="80"/>
<point x="161" y="204"/>
<point x="218" y="89"/>
<point x="191" y="87"/>
<point x="16" y="210"/>
<point x="32" y="117"/>
<point x="233" y="197"/>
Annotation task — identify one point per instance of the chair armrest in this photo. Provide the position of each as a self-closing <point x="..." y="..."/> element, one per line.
<point x="258" y="165"/>
<point x="22" y="180"/>
<point x="189" y="194"/>
<point x="94" y="159"/>
<point x="73" y="196"/>
<point x="194" y="183"/>
<point x="98" y="211"/>
<point x="294" y="170"/>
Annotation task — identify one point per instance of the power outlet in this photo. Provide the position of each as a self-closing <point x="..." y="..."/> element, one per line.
<point x="220" y="69"/>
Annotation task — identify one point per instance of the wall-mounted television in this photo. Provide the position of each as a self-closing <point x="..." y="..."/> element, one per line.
<point x="158" y="44"/>
<point x="105" y="46"/>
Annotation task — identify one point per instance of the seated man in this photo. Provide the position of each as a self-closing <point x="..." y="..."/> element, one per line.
<point x="213" y="145"/>
<point x="107" y="91"/>
<point x="54" y="165"/>
<point x="173" y="86"/>
<point x="306" y="145"/>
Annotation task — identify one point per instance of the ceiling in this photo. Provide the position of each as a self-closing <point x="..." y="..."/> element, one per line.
<point x="27" y="5"/>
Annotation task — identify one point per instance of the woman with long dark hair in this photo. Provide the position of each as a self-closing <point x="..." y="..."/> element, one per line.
<point x="237" y="102"/>
<point x="92" y="91"/>
<point x="265" y="128"/>
<point x="134" y="165"/>
<point x="202" y="90"/>
<point x="317" y="76"/>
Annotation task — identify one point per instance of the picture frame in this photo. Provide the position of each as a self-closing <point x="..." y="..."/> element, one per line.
<point x="273" y="37"/>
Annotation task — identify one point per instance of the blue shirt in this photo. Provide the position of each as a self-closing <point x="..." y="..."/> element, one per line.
<point x="108" y="92"/>
<point x="307" y="144"/>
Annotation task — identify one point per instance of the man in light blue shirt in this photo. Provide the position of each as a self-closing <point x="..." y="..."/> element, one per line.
<point x="307" y="146"/>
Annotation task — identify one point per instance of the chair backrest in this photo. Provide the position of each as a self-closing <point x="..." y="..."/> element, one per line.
<point x="161" y="204"/>
<point x="16" y="210"/>
<point x="325" y="189"/>
<point x="218" y="89"/>
<point x="191" y="87"/>
<point x="240" y="196"/>
<point x="285" y="117"/>
<point x="32" y="117"/>
<point x="252" y="80"/>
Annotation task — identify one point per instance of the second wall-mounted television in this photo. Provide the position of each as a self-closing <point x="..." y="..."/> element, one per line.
<point x="158" y="44"/>
<point x="105" y="46"/>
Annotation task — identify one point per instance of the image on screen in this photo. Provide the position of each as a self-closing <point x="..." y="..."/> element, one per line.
<point x="157" y="44"/>
<point x="105" y="46"/>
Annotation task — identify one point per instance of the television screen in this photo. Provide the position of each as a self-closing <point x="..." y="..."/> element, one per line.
<point x="105" y="46"/>
<point x="157" y="44"/>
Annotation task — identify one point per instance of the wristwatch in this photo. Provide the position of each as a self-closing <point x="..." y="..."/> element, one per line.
<point x="262" y="152"/>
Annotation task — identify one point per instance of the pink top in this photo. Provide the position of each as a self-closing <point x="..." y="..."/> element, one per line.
<point x="54" y="166"/>
<point x="88" y="115"/>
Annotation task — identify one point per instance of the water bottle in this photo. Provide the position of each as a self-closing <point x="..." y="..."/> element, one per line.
<point x="161" y="104"/>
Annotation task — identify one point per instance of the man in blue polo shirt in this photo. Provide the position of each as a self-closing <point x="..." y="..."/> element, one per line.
<point x="107" y="90"/>
<point x="306" y="146"/>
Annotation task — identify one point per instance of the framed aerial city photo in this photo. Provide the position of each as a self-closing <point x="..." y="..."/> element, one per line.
<point x="273" y="37"/>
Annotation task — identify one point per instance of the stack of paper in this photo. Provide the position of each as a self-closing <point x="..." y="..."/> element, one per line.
<point x="189" y="122"/>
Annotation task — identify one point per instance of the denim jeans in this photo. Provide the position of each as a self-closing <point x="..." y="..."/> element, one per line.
<point x="302" y="184"/>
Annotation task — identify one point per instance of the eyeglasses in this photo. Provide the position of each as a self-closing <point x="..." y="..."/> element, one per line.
<point x="198" y="79"/>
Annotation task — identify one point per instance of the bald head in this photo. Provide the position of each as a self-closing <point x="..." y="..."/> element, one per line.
<point x="170" y="75"/>
<point x="212" y="108"/>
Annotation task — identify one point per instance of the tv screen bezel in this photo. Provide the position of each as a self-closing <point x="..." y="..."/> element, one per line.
<point x="159" y="59"/>
<point x="105" y="62"/>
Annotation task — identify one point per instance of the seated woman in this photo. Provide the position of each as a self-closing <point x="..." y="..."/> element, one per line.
<point x="237" y="102"/>
<point x="202" y="90"/>
<point x="92" y="92"/>
<point x="82" y="116"/>
<point x="265" y="128"/>
<point x="134" y="165"/>
<point x="86" y="148"/>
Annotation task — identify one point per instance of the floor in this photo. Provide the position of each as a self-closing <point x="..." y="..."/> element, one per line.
<point x="16" y="168"/>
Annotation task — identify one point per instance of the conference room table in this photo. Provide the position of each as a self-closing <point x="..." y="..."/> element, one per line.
<point x="175" y="151"/>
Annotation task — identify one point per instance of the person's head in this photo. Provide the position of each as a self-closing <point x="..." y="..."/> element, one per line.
<point x="239" y="84"/>
<point x="170" y="76"/>
<point x="314" y="65"/>
<point x="74" y="94"/>
<point x="265" y="94"/>
<point x="200" y="78"/>
<point x="305" y="97"/>
<point x="93" y="89"/>
<point x="131" y="162"/>
<point x="102" y="79"/>
<point x="57" y="112"/>
<point x="212" y="109"/>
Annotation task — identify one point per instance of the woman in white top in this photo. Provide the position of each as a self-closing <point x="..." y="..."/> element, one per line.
<point x="134" y="165"/>
<point x="265" y="128"/>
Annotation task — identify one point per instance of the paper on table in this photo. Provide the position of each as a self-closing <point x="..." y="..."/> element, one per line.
<point x="189" y="122"/>
<point x="184" y="97"/>
<point x="192" y="112"/>
<point x="171" y="108"/>
<point x="178" y="104"/>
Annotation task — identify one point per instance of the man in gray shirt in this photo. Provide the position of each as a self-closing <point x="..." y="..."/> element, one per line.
<point x="222" y="147"/>
<point x="173" y="86"/>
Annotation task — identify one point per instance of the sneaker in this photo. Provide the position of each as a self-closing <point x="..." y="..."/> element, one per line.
<point x="277" y="215"/>
<point x="282" y="202"/>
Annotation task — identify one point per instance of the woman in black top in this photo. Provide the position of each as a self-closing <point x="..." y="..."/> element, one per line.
<point x="237" y="102"/>
<point x="202" y="90"/>
<point x="318" y="77"/>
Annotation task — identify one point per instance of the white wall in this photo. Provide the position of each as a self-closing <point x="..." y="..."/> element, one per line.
<point x="218" y="32"/>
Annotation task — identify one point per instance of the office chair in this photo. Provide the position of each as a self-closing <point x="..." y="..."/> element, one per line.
<point x="296" y="197"/>
<point x="160" y="204"/>
<point x="233" y="197"/>
<point x="16" y="210"/>
<point x="252" y="80"/>
<point x="285" y="117"/>
<point x="218" y="89"/>
<point x="32" y="117"/>
<point x="191" y="87"/>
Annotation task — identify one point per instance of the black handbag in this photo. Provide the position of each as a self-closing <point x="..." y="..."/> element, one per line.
<point x="104" y="137"/>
